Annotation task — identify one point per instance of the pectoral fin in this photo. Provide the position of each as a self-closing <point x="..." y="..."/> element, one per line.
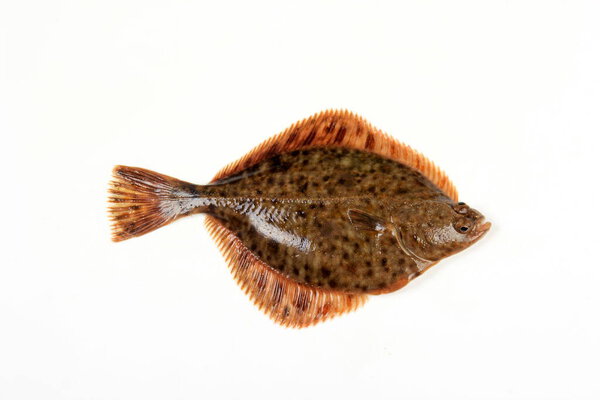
<point x="364" y="221"/>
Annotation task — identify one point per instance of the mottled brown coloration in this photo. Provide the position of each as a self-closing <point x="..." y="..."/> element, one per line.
<point x="287" y="302"/>
<point x="314" y="219"/>
<point x="341" y="129"/>
<point x="301" y="222"/>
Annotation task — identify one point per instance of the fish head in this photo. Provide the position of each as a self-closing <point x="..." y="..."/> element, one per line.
<point x="432" y="230"/>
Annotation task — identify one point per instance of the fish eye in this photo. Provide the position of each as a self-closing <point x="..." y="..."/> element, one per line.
<point x="461" y="208"/>
<point x="463" y="226"/>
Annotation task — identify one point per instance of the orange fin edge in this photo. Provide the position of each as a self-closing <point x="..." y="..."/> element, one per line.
<point x="286" y="302"/>
<point x="341" y="128"/>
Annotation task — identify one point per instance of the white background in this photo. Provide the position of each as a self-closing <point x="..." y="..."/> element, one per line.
<point x="504" y="96"/>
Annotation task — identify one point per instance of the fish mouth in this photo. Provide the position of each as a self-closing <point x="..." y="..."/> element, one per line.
<point x="482" y="228"/>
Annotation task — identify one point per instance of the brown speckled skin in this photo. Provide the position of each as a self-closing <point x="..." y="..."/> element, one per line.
<point x="292" y="211"/>
<point x="313" y="219"/>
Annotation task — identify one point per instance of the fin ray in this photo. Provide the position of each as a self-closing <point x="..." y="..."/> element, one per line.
<point x="341" y="128"/>
<point x="142" y="201"/>
<point x="286" y="302"/>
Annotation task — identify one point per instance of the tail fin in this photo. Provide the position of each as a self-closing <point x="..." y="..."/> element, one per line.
<point x="142" y="201"/>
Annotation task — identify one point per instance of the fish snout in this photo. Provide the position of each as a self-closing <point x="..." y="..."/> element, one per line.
<point x="482" y="227"/>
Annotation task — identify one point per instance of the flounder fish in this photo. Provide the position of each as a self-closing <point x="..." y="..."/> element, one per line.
<point x="315" y="219"/>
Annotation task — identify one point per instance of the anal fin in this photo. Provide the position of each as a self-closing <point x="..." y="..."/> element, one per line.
<point x="285" y="301"/>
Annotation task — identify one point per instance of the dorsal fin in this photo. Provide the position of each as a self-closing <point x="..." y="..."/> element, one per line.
<point x="285" y="301"/>
<point x="341" y="128"/>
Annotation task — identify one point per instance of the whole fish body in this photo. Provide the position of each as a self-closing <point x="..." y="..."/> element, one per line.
<point x="315" y="219"/>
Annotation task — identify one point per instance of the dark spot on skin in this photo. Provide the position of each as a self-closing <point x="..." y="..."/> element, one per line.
<point x="332" y="283"/>
<point x="329" y="128"/>
<point x="303" y="187"/>
<point x="259" y="192"/>
<point x="345" y="256"/>
<point x="310" y="137"/>
<point x="270" y="180"/>
<point x="189" y="187"/>
<point x="370" y="142"/>
<point x="369" y="273"/>
<point x="305" y="162"/>
<point x="325" y="178"/>
<point x="325" y="272"/>
<point x="292" y="137"/>
<point x="271" y="150"/>
<point x="371" y="189"/>
<point x="312" y="206"/>
<point x="327" y="228"/>
<point x="120" y="217"/>
<point x="341" y="181"/>
<point x="296" y="271"/>
<point x="345" y="238"/>
<point x="401" y="191"/>
<point x="300" y="213"/>
<point x="276" y="162"/>
<point x="339" y="137"/>
<point x="272" y="246"/>
<point x="383" y="262"/>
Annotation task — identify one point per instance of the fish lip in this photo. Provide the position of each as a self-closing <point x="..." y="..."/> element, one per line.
<point x="482" y="228"/>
